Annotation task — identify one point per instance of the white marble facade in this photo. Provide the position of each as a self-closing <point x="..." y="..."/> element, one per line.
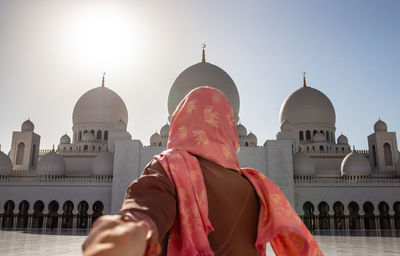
<point x="86" y="175"/>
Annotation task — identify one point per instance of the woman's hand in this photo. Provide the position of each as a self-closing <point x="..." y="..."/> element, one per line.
<point x="112" y="235"/>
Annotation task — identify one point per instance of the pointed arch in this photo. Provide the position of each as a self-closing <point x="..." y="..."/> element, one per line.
<point x="387" y="150"/>
<point x="20" y="153"/>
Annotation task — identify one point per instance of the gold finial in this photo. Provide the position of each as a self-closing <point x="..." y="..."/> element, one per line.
<point x="53" y="149"/>
<point x="102" y="81"/>
<point x="203" y="59"/>
<point x="354" y="148"/>
<point x="304" y="79"/>
<point x="299" y="149"/>
<point x="0" y="147"/>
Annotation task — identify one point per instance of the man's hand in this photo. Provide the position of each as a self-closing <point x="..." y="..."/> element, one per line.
<point x="111" y="235"/>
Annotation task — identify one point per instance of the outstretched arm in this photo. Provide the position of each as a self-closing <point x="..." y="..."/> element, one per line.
<point x="151" y="199"/>
<point x="112" y="235"/>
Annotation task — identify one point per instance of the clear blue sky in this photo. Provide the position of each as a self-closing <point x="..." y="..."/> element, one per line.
<point x="51" y="52"/>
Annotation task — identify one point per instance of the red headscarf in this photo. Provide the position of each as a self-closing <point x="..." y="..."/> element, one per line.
<point x="203" y="125"/>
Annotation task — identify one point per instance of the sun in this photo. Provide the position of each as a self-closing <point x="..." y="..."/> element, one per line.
<point x="101" y="37"/>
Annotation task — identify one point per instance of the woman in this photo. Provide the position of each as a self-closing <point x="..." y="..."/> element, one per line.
<point x="194" y="199"/>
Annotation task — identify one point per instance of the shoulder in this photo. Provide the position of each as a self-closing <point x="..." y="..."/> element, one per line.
<point x="154" y="168"/>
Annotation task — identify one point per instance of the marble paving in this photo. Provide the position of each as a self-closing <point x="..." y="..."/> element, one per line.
<point x="69" y="242"/>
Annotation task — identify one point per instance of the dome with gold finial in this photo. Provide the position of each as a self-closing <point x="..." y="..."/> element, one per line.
<point x="355" y="164"/>
<point x="100" y="105"/>
<point x="308" y="106"/>
<point x="203" y="74"/>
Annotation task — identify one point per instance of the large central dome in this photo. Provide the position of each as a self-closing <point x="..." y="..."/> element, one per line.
<point x="203" y="74"/>
<point x="308" y="106"/>
<point x="99" y="105"/>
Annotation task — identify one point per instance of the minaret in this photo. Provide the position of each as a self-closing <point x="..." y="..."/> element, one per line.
<point x="24" y="150"/>
<point x="203" y="59"/>
<point x="383" y="149"/>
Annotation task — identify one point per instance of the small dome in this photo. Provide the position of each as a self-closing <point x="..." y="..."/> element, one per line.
<point x="65" y="139"/>
<point x="380" y="126"/>
<point x="355" y="164"/>
<point x="308" y="106"/>
<point x="241" y="130"/>
<point x="5" y="164"/>
<point x="285" y="126"/>
<point x="88" y="137"/>
<point x="319" y="137"/>
<point x="120" y="126"/>
<point x="164" y="132"/>
<point x="51" y="164"/>
<point x="203" y="74"/>
<point x="27" y="126"/>
<point x="342" y="140"/>
<point x="103" y="164"/>
<point x="252" y="139"/>
<point x="155" y="140"/>
<point x="303" y="165"/>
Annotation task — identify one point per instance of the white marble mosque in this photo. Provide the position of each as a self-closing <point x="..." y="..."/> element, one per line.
<point x="331" y="185"/>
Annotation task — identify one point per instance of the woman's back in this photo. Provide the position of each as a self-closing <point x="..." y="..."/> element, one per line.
<point x="233" y="206"/>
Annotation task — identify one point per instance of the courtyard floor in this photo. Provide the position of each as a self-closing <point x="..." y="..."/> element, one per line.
<point x="69" y="243"/>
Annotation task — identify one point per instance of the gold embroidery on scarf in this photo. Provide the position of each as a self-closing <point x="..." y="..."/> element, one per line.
<point x="194" y="175"/>
<point x="227" y="153"/>
<point x="203" y="198"/>
<point x="231" y="121"/>
<point x="175" y="156"/>
<point x="280" y="204"/>
<point x="173" y="167"/>
<point x="191" y="105"/>
<point x="201" y="137"/>
<point x="183" y="195"/>
<point x="210" y="117"/>
<point x="216" y="97"/>
<point x="182" y="132"/>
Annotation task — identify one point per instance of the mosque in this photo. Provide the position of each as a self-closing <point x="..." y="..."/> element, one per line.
<point x="330" y="185"/>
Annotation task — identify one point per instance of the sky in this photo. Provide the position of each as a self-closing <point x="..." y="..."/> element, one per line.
<point x="52" y="52"/>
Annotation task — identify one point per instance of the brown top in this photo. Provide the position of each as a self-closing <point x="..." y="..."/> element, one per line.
<point x="232" y="201"/>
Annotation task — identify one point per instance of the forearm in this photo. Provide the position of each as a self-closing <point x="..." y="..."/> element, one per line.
<point x="115" y="235"/>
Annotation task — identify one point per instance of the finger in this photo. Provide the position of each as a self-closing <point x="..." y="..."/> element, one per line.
<point x="103" y="223"/>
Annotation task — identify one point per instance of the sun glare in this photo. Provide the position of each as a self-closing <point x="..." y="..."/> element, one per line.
<point x="101" y="38"/>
